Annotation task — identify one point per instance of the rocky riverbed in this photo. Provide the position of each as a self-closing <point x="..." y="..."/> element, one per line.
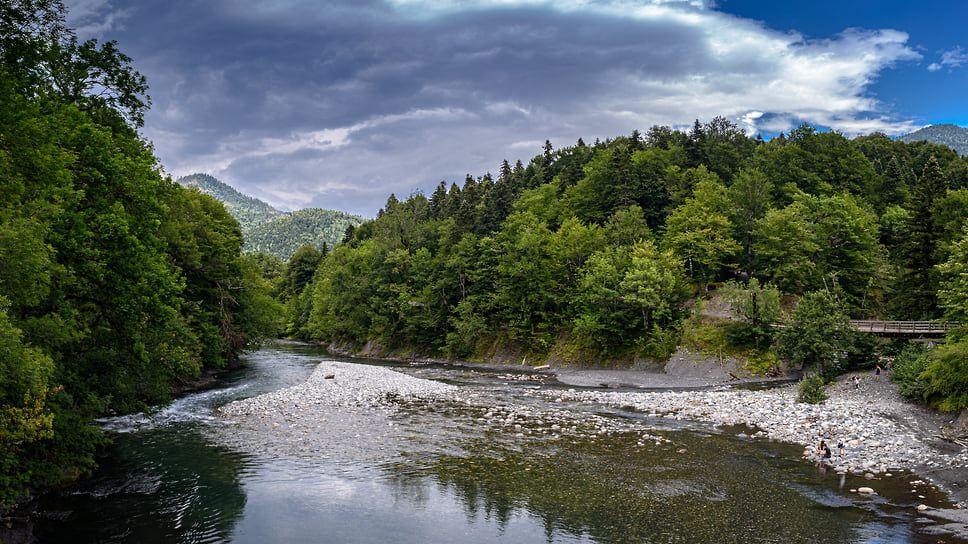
<point x="881" y="431"/>
<point x="359" y="410"/>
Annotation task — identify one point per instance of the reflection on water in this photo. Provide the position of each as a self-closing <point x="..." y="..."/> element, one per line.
<point x="615" y="492"/>
<point x="453" y="472"/>
<point x="161" y="486"/>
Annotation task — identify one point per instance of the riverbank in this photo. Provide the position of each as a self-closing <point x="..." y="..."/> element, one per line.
<point x="883" y="433"/>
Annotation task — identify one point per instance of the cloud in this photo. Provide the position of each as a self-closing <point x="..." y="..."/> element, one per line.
<point x="94" y="18"/>
<point x="953" y="59"/>
<point x="341" y="103"/>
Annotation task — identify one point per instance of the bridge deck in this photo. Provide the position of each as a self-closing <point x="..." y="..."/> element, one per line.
<point x="912" y="328"/>
<point x="898" y="328"/>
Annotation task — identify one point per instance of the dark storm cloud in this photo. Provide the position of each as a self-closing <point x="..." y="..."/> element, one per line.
<point x="341" y="103"/>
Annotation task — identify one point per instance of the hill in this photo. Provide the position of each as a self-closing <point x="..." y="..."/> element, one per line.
<point x="284" y="235"/>
<point x="249" y="212"/>
<point x="950" y="135"/>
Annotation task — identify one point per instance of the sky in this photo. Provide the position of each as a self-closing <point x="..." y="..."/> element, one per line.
<point x="337" y="104"/>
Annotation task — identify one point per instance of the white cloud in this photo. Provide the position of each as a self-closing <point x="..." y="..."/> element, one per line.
<point x="954" y="59"/>
<point x="301" y="107"/>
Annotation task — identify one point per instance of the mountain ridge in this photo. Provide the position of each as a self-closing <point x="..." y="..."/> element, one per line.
<point x="248" y="211"/>
<point x="947" y="134"/>
<point x="270" y="231"/>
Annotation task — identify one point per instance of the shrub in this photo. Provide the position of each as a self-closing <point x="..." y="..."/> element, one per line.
<point x="763" y="363"/>
<point x="660" y="344"/>
<point x="811" y="389"/>
<point x="947" y="373"/>
<point x="908" y="369"/>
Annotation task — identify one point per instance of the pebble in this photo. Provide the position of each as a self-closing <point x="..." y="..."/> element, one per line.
<point x="876" y="444"/>
<point x="342" y="385"/>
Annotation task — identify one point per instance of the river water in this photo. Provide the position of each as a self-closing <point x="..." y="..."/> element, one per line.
<point x="446" y="472"/>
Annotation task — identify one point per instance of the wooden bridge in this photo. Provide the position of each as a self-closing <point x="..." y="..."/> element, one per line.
<point x="905" y="328"/>
<point x="914" y="329"/>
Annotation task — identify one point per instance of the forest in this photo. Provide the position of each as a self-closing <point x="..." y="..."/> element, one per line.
<point x="116" y="283"/>
<point x="600" y="253"/>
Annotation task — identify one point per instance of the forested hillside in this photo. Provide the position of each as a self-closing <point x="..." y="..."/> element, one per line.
<point x="950" y="135"/>
<point x="597" y="249"/>
<point x="282" y="236"/>
<point x="115" y="282"/>
<point x="267" y="230"/>
<point x="249" y="212"/>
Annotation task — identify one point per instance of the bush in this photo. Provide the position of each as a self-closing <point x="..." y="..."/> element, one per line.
<point x="811" y="389"/>
<point x="763" y="363"/>
<point x="660" y="343"/>
<point x="947" y="373"/>
<point x="908" y="369"/>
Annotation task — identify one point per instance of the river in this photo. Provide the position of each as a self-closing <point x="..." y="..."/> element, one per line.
<point x="444" y="472"/>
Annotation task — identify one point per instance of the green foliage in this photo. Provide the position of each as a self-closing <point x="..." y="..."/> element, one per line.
<point x="907" y="370"/>
<point x="700" y="230"/>
<point x="562" y="248"/>
<point x="811" y="389"/>
<point x="660" y="343"/>
<point x="24" y="416"/>
<point x="763" y="363"/>
<point x="947" y="372"/>
<point x="626" y="295"/>
<point x="818" y="334"/>
<point x="114" y="282"/>
<point x="921" y="249"/>
<point x="757" y="305"/>
<point x="953" y="274"/>
<point x="282" y="236"/>
<point x="706" y="335"/>
<point x="249" y="212"/>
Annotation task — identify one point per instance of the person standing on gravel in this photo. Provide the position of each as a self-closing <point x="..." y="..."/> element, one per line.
<point x="842" y="446"/>
<point x="877" y="372"/>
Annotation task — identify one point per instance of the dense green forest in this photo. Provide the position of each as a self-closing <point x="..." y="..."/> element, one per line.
<point x="115" y="282"/>
<point x="598" y="252"/>
<point x="281" y="237"/>
<point x="250" y="212"/>
<point x="947" y="134"/>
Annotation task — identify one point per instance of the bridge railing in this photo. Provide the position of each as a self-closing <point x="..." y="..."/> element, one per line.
<point x="905" y="327"/>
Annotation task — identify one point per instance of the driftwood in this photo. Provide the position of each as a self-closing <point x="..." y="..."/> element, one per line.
<point x="955" y="440"/>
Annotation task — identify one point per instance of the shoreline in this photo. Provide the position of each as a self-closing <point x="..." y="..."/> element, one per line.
<point x="884" y="432"/>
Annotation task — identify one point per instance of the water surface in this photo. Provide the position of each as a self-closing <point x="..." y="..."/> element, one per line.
<point x="487" y="468"/>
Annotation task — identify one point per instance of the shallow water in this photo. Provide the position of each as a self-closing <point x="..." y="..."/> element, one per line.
<point x="486" y="468"/>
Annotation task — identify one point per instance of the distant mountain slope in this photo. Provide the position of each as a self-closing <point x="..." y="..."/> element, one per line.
<point x="249" y="212"/>
<point x="283" y="236"/>
<point x="950" y="135"/>
<point x="270" y="231"/>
